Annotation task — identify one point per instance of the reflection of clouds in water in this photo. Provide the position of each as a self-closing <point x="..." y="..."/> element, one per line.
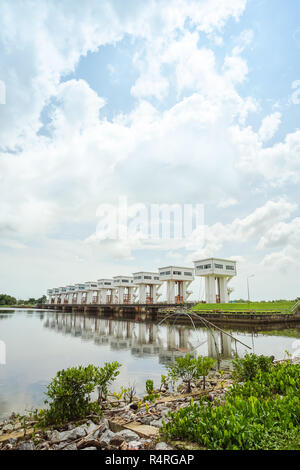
<point x="4" y="407"/>
<point x="296" y="36"/>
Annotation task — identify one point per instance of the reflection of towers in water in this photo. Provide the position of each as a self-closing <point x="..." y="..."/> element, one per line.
<point x="119" y="337"/>
<point x="145" y="342"/>
<point x="87" y="329"/>
<point x="101" y="331"/>
<point x="178" y="338"/>
<point x="141" y="339"/>
<point x="178" y="344"/>
<point x="219" y="344"/>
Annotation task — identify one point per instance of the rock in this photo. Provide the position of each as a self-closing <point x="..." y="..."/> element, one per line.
<point x="160" y="407"/>
<point x="12" y="441"/>
<point x="100" y="431"/>
<point x="141" y="444"/>
<point x="163" y="446"/>
<point x="90" y="426"/>
<point x="76" y="433"/>
<point x="146" y="419"/>
<point x="70" y="447"/>
<point x="43" y="446"/>
<point x="157" y="423"/>
<point x="17" y="426"/>
<point x="117" y="441"/>
<point x="128" y="435"/>
<point x="7" y="447"/>
<point x="52" y="436"/>
<point x="107" y="436"/>
<point x="106" y="424"/>
<point x="90" y="448"/>
<point x="29" y="445"/>
<point x="143" y="430"/>
<point x="135" y="445"/>
<point x="8" y="427"/>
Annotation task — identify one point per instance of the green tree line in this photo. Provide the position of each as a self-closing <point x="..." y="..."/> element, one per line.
<point x="6" y="299"/>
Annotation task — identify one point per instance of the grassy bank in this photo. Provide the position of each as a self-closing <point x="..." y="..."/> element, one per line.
<point x="276" y="307"/>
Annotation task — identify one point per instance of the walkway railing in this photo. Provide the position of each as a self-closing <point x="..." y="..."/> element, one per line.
<point x="296" y="307"/>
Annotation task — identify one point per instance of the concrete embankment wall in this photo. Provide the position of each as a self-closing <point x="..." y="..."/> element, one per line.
<point x="236" y="318"/>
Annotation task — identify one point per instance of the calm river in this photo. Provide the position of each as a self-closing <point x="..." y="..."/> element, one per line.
<point x="35" y="344"/>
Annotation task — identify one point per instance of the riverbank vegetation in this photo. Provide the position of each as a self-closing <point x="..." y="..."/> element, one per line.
<point x="271" y="307"/>
<point x="260" y="411"/>
<point x="255" y="406"/>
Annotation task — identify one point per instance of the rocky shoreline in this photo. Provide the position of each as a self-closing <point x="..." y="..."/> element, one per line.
<point x="122" y="426"/>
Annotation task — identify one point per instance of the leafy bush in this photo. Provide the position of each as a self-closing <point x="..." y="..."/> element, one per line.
<point x="70" y="392"/>
<point x="247" y="368"/>
<point x="151" y="396"/>
<point x="104" y="376"/>
<point x="189" y="368"/>
<point x="258" y="414"/>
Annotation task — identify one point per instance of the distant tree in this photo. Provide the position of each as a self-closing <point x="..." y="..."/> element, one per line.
<point x="31" y="301"/>
<point x="42" y="300"/>
<point x="7" y="300"/>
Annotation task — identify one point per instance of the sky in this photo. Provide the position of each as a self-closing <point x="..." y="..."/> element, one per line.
<point x="185" y="102"/>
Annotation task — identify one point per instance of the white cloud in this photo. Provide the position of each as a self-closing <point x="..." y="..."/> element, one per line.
<point x="236" y="69"/>
<point x="194" y="145"/>
<point x="241" y="231"/>
<point x="269" y="126"/>
<point x="282" y="234"/>
<point x="227" y="203"/>
<point x="285" y="260"/>
<point x="277" y="164"/>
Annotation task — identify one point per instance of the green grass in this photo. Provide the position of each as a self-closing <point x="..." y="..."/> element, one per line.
<point x="256" y="307"/>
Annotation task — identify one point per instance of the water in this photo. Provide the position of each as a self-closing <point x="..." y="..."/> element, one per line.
<point x="39" y="343"/>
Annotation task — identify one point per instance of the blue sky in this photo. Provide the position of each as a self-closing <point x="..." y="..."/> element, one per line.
<point x="178" y="101"/>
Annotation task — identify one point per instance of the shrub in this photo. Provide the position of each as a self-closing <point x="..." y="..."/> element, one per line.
<point x="247" y="368"/>
<point x="104" y="376"/>
<point x="151" y="396"/>
<point x="70" y="392"/>
<point x="189" y="368"/>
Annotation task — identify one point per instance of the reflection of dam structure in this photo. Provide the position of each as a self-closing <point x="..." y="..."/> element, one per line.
<point x="220" y="344"/>
<point x="142" y="339"/>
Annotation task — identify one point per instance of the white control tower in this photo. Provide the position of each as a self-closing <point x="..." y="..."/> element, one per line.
<point x="178" y="280"/>
<point x="217" y="272"/>
<point x="148" y="286"/>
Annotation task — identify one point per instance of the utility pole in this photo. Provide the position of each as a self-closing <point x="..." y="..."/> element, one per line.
<point x="252" y="275"/>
